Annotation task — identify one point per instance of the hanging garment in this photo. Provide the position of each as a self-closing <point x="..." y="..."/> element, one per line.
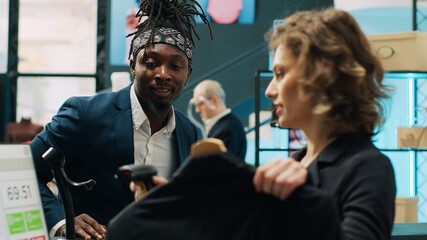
<point x="213" y="197"/>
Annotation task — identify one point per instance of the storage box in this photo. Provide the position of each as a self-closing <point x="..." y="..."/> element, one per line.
<point x="414" y="137"/>
<point x="406" y="210"/>
<point x="405" y="51"/>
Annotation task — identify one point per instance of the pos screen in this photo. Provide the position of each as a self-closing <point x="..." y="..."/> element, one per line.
<point x="21" y="212"/>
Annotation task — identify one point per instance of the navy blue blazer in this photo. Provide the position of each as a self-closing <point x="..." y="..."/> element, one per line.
<point x="95" y="134"/>
<point x="230" y="130"/>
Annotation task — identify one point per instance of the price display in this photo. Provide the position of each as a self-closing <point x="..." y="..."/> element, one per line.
<point x="21" y="212"/>
<point x="18" y="193"/>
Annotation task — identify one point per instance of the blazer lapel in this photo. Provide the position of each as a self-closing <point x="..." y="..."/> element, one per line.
<point x="179" y="142"/>
<point x="313" y="168"/>
<point x="330" y="155"/>
<point x="123" y="127"/>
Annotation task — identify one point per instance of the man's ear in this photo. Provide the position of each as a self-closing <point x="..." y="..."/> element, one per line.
<point x="190" y="70"/>
<point x="132" y="69"/>
<point x="214" y="99"/>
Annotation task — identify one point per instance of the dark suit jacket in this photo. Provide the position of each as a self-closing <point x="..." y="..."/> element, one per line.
<point x="230" y="130"/>
<point x="213" y="198"/>
<point x="362" y="183"/>
<point x="95" y="134"/>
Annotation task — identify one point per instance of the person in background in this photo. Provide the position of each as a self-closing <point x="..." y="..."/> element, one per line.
<point x="209" y="101"/>
<point x="135" y="125"/>
<point x="328" y="83"/>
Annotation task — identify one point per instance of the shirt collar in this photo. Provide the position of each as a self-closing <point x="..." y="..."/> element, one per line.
<point x="139" y="116"/>
<point x="211" y="121"/>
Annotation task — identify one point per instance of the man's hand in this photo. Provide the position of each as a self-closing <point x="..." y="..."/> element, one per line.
<point x="86" y="227"/>
<point x="140" y="189"/>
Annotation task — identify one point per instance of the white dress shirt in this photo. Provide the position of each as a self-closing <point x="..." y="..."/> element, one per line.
<point x="158" y="149"/>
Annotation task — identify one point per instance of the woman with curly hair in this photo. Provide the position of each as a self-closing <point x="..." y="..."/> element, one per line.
<point x="328" y="83"/>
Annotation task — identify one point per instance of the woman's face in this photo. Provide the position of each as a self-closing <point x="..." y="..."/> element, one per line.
<point x="292" y="111"/>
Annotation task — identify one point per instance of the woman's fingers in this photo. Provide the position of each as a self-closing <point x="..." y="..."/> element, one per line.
<point x="280" y="177"/>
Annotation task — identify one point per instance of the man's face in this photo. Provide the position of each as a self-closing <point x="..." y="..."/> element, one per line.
<point x="201" y="107"/>
<point x="160" y="71"/>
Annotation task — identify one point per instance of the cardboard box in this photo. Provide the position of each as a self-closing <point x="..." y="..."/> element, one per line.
<point x="406" y="51"/>
<point x="414" y="137"/>
<point x="406" y="210"/>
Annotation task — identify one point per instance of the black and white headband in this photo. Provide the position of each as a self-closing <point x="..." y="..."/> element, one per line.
<point x="163" y="35"/>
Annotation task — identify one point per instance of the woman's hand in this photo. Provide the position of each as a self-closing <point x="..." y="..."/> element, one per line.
<point x="280" y="177"/>
<point x="140" y="189"/>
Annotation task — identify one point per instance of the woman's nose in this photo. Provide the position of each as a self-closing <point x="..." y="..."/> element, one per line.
<point x="271" y="91"/>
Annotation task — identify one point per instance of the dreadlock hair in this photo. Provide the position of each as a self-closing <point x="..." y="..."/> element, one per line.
<point x="176" y="14"/>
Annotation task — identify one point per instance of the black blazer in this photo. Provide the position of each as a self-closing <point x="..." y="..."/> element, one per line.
<point x="360" y="180"/>
<point x="96" y="136"/>
<point x="213" y="198"/>
<point x="230" y="130"/>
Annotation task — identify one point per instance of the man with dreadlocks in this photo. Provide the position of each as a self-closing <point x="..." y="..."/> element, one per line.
<point x="137" y="124"/>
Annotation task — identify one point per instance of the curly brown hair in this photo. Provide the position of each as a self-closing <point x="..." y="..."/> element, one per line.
<point x="341" y="76"/>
